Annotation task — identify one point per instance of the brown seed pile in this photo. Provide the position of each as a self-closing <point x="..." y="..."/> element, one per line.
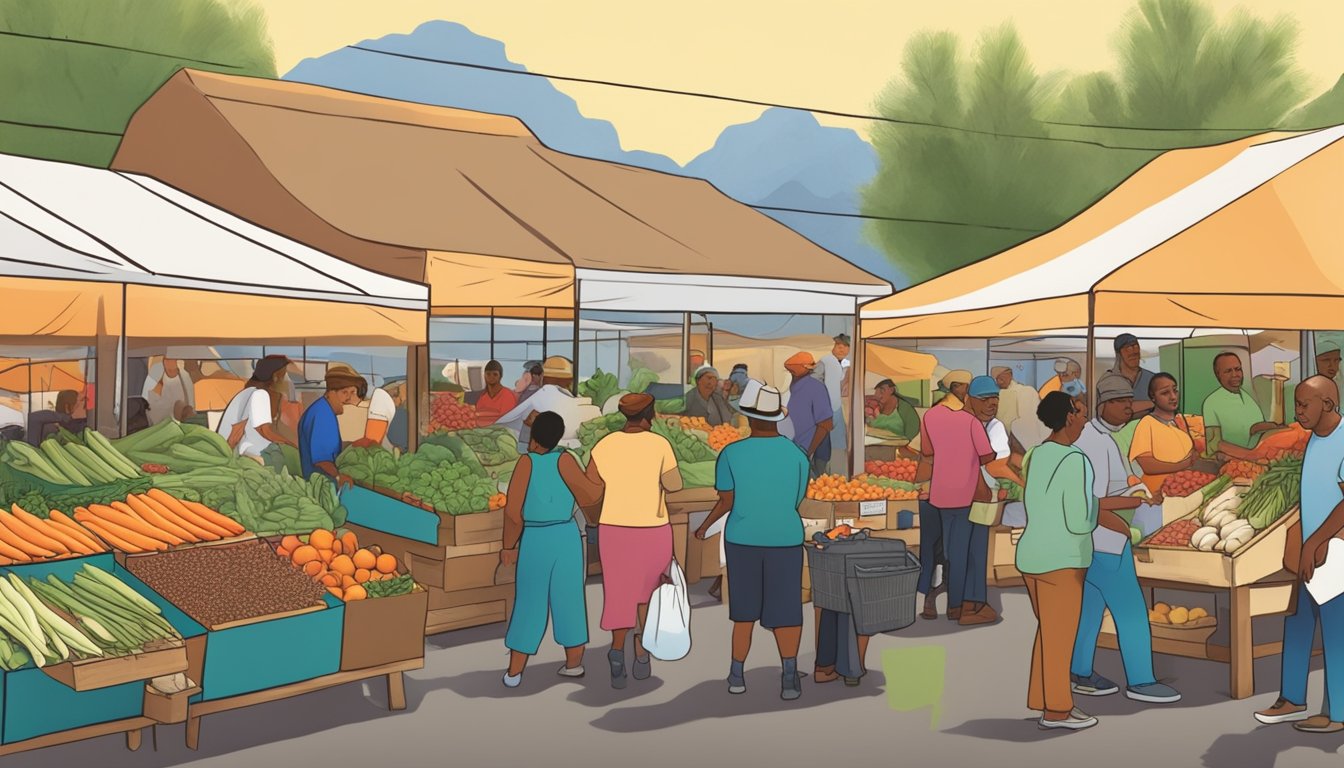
<point x="222" y="584"/>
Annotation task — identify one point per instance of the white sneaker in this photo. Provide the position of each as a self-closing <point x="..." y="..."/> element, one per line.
<point x="575" y="672"/>
<point x="512" y="681"/>
<point x="1077" y="720"/>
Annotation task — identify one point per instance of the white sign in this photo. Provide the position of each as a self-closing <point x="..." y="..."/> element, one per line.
<point x="872" y="508"/>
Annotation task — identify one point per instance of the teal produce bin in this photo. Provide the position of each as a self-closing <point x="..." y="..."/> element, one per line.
<point x="35" y="705"/>
<point x="270" y="654"/>
<point x="371" y="509"/>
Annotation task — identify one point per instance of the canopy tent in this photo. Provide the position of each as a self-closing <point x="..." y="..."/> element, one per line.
<point x="1224" y="236"/>
<point x="23" y="376"/>
<point x="189" y="271"/>
<point x="474" y="205"/>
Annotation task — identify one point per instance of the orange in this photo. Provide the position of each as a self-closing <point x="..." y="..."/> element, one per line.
<point x="347" y="582"/>
<point x="387" y="564"/>
<point x="313" y="568"/>
<point x="325" y="555"/>
<point x="343" y="565"/>
<point x="281" y="551"/>
<point x="337" y="547"/>
<point x="321" y="538"/>
<point x="349" y="543"/>
<point x="365" y="559"/>
<point x="337" y="592"/>
<point x="355" y="592"/>
<point x="362" y="575"/>
<point x="331" y="580"/>
<point x="291" y="542"/>
<point x="304" y="554"/>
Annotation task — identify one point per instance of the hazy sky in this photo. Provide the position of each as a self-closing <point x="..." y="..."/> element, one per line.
<point x="783" y="51"/>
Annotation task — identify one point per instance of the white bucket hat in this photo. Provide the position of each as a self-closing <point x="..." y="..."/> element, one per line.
<point x="761" y="401"/>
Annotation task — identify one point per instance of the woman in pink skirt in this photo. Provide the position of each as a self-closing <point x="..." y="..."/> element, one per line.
<point x="634" y="537"/>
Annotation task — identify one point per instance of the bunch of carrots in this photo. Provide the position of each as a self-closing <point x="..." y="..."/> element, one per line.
<point x="155" y="521"/>
<point x="25" y="537"/>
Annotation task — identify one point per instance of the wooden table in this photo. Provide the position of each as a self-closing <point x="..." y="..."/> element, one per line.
<point x="133" y="728"/>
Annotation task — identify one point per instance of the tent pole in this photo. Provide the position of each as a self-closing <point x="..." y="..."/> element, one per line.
<point x="857" y="392"/>
<point x="1091" y="350"/>
<point x="685" y="348"/>
<point x="574" y="384"/>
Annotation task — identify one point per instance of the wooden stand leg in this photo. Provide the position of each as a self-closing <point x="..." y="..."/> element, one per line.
<point x="193" y="732"/>
<point x="1242" y="675"/>
<point x="396" y="691"/>
<point x="133" y="739"/>
<point x="680" y="543"/>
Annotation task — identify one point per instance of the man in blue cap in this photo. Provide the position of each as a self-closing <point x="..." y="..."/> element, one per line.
<point x="982" y="400"/>
<point x="1129" y="363"/>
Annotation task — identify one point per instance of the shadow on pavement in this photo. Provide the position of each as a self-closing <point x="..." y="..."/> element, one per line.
<point x="1013" y="730"/>
<point x="1264" y="745"/>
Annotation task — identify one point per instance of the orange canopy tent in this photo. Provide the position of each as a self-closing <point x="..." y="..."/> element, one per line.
<point x="25" y="376"/>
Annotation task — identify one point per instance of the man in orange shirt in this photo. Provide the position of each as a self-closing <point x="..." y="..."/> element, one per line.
<point x="497" y="399"/>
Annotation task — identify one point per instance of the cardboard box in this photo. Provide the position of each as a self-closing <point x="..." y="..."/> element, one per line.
<point x="454" y="573"/>
<point x="464" y="617"/>
<point x="384" y="630"/>
<point x="166" y="658"/>
<point x="894" y="510"/>
<point x="834" y="511"/>
<point x="168" y="708"/>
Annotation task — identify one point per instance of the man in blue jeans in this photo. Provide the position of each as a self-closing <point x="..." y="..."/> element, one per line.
<point x="1322" y="507"/>
<point x="1111" y="580"/>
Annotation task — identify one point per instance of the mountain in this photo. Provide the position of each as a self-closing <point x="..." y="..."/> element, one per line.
<point x="551" y="114"/>
<point x="784" y="158"/>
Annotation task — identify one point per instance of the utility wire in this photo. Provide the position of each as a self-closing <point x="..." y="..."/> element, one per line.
<point x="60" y="128"/>
<point x="126" y="49"/>
<point x="814" y="110"/>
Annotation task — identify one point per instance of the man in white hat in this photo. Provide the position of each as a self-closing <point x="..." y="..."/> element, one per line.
<point x="554" y="396"/>
<point x="762" y="480"/>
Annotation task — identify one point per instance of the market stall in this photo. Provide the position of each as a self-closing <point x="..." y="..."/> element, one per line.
<point x="1155" y="255"/>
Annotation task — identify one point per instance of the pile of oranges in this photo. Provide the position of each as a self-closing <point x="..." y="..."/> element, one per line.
<point x="841" y="488"/>
<point x="694" y="422"/>
<point x="900" y="469"/>
<point x="338" y="562"/>
<point x="722" y="436"/>
<point x="498" y="501"/>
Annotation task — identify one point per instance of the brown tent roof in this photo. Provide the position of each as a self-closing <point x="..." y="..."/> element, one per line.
<point x="385" y="183"/>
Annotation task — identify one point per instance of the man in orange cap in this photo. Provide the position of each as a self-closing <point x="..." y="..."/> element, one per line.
<point x="810" y="412"/>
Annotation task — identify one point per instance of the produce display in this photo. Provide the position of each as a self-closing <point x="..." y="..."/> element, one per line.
<point x="41" y="501"/>
<point x="110" y="619"/>
<point x="1186" y="482"/>
<point x="871" y="407"/>
<point x="1223" y="529"/>
<point x="448" y="412"/>
<point x="724" y="435"/>
<point x="493" y="445"/>
<point x="228" y="583"/>
<point x="905" y="491"/>
<point x="641" y="377"/>
<point x="261" y="500"/>
<point x="27" y="538"/>
<point x="433" y="475"/>
<point x="1274" y="492"/>
<point x="177" y="446"/>
<point x="600" y="388"/>
<point x="1276" y="445"/>
<point x="694" y="422"/>
<point x="155" y="521"/>
<point x="689" y="448"/>
<point x="673" y="407"/>
<point x="891" y="422"/>
<point x="337" y="562"/>
<point x="589" y="432"/>
<point x="1175" y="535"/>
<point x="840" y="488"/>
<point x="1242" y="470"/>
<point x="370" y="467"/>
<point x="84" y="461"/>
<point x="899" y="469"/>
<point x="1177" y="615"/>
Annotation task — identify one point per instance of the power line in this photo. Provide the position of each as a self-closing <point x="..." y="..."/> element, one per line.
<point x="770" y="104"/>
<point x="60" y="128"/>
<point x="1164" y="129"/>
<point x="126" y="49"/>
<point x="870" y="217"/>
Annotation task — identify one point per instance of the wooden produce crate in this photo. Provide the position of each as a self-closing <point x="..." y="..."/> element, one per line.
<point x="166" y="658"/>
<point x="168" y="708"/>
<point x="384" y="630"/>
<point x="1003" y="557"/>
<point x="1257" y="559"/>
<point x="467" y="608"/>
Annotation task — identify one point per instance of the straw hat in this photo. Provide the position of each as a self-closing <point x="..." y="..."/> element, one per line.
<point x="557" y="368"/>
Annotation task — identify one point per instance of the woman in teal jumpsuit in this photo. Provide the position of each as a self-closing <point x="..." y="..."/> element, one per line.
<point x="542" y="537"/>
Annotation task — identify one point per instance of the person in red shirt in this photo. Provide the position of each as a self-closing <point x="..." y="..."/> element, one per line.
<point x="497" y="399"/>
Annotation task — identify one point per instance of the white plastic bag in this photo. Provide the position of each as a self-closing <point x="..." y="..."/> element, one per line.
<point x="667" y="633"/>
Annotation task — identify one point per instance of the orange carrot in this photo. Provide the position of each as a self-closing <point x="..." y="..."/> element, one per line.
<point x="12" y="552"/>
<point x="20" y="525"/>
<point x="19" y="541"/>
<point x="152" y="516"/>
<point x="129" y="522"/>
<point x="171" y="513"/>
<point x="138" y="541"/>
<point x="76" y="530"/>
<point x="178" y="508"/>
<point x="166" y="536"/>
<point x="224" y="522"/>
<point x="58" y="533"/>
<point x="95" y="525"/>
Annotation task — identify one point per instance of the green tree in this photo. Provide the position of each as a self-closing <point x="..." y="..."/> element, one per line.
<point x="1178" y="68"/>
<point x="97" y="88"/>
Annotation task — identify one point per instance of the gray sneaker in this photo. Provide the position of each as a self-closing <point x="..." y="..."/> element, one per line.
<point x="616" y="660"/>
<point x="736" y="685"/>
<point x="791" y="686"/>
<point x="1153" y="693"/>
<point x="1095" y="685"/>
<point x="642" y="670"/>
<point x="1078" y="720"/>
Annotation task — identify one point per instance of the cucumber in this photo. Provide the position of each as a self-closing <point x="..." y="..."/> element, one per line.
<point x="31" y="460"/>
<point x="63" y="463"/>
<point x="103" y="447"/>
<point x="93" y="467"/>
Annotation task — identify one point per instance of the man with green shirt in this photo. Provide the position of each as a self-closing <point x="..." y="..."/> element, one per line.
<point x="1233" y="421"/>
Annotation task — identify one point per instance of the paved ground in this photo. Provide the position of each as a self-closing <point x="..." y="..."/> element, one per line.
<point x="459" y="715"/>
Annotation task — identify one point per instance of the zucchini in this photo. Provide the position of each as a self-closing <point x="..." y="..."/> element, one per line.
<point x="63" y="463"/>
<point x="114" y="458"/>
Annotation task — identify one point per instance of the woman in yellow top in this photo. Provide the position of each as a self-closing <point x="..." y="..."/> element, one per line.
<point x="1162" y="443"/>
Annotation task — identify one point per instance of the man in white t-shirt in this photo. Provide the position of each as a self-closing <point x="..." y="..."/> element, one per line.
<point x="382" y="409"/>
<point x="248" y="422"/>
<point x="833" y="370"/>
<point x="169" y="392"/>
<point x="554" y="396"/>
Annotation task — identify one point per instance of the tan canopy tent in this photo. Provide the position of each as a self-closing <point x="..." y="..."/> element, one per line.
<point x="1245" y="234"/>
<point x="474" y="204"/>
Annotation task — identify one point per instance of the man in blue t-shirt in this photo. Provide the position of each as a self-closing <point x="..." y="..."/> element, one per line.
<point x="320" y="431"/>
<point x="1322" y="507"/>
<point x="762" y="480"/>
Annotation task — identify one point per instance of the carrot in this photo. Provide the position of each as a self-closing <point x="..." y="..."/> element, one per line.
<point x="201" y="534"/>
<point x="129" y="522"/>
<point x="137" y="541"/>
<point x="77" y="530"/>
<point x="11" y="552"/>
<point x="228" y="524"/>
<point x="95" y="525"/>
<point x="153" y="517"/>
<point x="17" y="540"/>
<point x="20" y="525"/>
<point x="55" y="531"/>
<point x="167" y="537"/>
<point x="180" y="509"/>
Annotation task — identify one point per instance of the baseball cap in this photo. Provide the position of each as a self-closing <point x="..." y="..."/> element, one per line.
<point x="1124" y="340"/>
<point x="983" y="386"/>
<point x="1113" y="386"/>
<point x="801" y="360"/>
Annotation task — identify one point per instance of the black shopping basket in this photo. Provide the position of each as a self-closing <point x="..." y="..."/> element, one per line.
<point x="874" y="580"/>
